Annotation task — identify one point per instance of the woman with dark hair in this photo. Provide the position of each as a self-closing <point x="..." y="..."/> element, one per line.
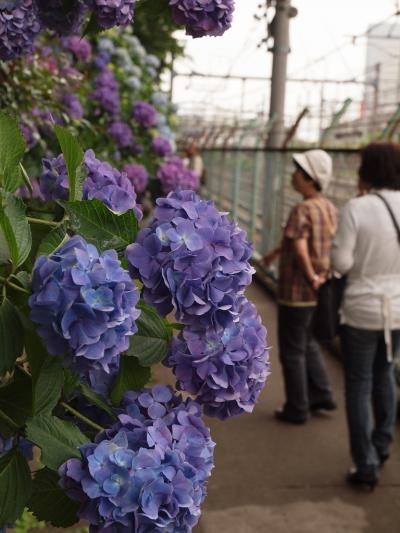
<point x="367" y="250"/>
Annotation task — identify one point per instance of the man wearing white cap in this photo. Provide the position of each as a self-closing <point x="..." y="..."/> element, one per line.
<point x="304" y="265"/>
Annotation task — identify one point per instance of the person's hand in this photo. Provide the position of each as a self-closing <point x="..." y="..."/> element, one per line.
<point x="270" y="257"/>
<point x="317" y="281"/>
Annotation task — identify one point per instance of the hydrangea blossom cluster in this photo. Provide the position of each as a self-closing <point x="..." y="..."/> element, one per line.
<point x="226" y="368"/>
<point x="121" y="134"/>
<point x="109" y="185"/>
<point x="85" y="306"/>
<point x="79" y="46"/>
<point x="138" y="176"/>
<point x="111" y="13"/>
<point x="161" y="146"/>
<point x="203" y="17"/>
<point x="54" y="15"/>
<point x="149" y="471"/>
<point x="193" y="259"/>
<point x="25" y="447"/>
<point x="73" y="106"/>
<point x="175" y="175"/>
<point x="19" y="26"/>
<point x="144" y="114"/>
<point x="106" y="92"/>
<point x="53" y="181"/>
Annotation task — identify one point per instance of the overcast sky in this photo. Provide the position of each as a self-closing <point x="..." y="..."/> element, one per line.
<point x="321" y="28"/>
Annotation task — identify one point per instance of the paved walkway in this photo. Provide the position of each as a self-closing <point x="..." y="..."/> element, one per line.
<point x="275" y="478"/>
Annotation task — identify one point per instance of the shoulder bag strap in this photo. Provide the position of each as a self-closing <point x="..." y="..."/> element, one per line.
<point x="394" y="220"/>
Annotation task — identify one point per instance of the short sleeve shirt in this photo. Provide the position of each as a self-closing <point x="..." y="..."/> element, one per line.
<point x="315" y="220"/>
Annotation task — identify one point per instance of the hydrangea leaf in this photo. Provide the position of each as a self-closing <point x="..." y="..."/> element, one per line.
<point x="50" y="503"/>
<point x="52" y="242"/>
<point x="11" y="344"/>
<point x="73" y="155"/>
<point x="93" y="27"/>
<point x="151" y="342"/>
<point x="131" y="376"/>
<point x="96" y="399"/>
<point x="12" y="149"/>
<point x="97" y="224"/>
<point x="15" y="233"/>
<point x="15" y="485"/>
<point x="15" y="402"/>
<point x="47" y="386"/>
<point x="59" y="440"/>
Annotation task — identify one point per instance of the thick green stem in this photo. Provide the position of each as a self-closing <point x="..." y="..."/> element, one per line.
<point x="82" y="417"/>
<point x="13" y="285"/>
<point x="44" y="222"/>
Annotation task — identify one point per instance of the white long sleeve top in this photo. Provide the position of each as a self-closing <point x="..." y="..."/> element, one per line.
<point x="367" y="250"/>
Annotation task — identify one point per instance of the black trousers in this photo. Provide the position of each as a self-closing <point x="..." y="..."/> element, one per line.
<point x="305" y="376"/>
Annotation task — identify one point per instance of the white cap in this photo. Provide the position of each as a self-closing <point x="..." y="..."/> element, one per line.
<point x="317" y="164"/>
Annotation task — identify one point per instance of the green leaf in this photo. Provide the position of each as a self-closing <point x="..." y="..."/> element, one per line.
<point x="73" y="155"/>
<point x="131" y="376"/>
<point x="50" y="503"/>
<point x="15" y="402"/>
<point x="52" y="242"/>
<point x="59" y="440"/>
<point x="93" y="27"/>
<point x="15" y="486"/>
<point x="15" y="233"/>
<point x="11" y="336"/>
<point x="96" y="399"/>
<point x="48" y="385"/>
<point x="151" y="342"/>
<point x="100" y="226"/>
<point x="12" y="149"/>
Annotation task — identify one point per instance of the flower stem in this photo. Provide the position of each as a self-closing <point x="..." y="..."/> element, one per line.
<point x="13" y="285"/>
<point x="41" y="221"/>
<point x="82" y="417"/>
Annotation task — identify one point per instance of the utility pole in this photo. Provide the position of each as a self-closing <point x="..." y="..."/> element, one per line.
<point x="374" y="119"/>
<point x="279" y="31"/>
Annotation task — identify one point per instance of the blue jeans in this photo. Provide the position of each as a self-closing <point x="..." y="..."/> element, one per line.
<point x="305" y="376"/>
<point x="370" y="395"/>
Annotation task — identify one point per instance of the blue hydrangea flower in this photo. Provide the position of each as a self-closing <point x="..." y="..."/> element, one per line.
<point x="19" y="26"/>
<point x="144" y="114"/>
<point x="193" y="259"/>
<point x="138" y="176"/>
<point x="161" y="147"/>
<point x="109" y="185"/>
<point x="111" y="13"/>
<point x="225" y="369"/>
<point x="174" y="175"/>
<point x="148" y="472"/>
<point x="25" y="447"/>
<point x="53" y="181"/>
<point x="107" y="92"/>
<point x="85" y="305"/>
<point x="73" y="106"/>
<point x="121" y="134"/>
<point x="54" y="15"/>
<point x="203" y="17"/>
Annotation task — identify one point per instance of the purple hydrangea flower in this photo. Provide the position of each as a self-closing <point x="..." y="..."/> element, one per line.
<point x="107" y="92"/>
<point x="174" y="175"/>
<point x="203" y="17"/>
<point x="109" y="185"/>
<point x="194" y="259"/>
<point x="73" y="106"/>
<point x="54" y="15"/>
<point x="19" y="25"/>
<point x="102" y="60"/>
<point x="53" y="181"/>
<point x="148" y="472"/>
<point x="111" y="13"/>
<point x="138" y="176"/>
<point x="121" y="134"/>
<point x="161" y="146"/>
<point x="23" y="192"/>
<point x="225" y="369"/>
<point x="144" y="114"/>
<point x="29" y="131"/>
<point x="25" y="447"/>
<point x="79" y="46"/>
<point x="85" y="306"/>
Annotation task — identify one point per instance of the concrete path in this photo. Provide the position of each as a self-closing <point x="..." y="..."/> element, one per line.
<point x="274" y="478"/>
